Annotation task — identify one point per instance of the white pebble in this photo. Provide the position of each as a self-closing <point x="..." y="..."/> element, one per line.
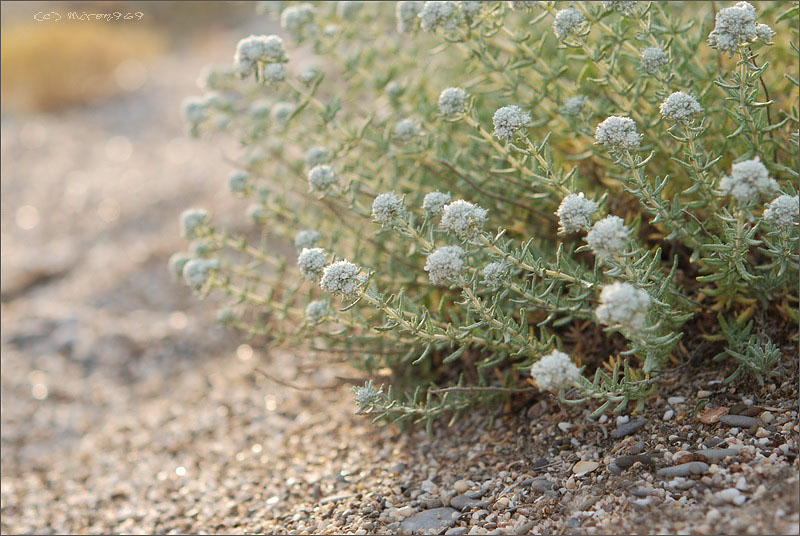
<point x="668" y="414"/>
<point x="564" y="426"/>
<point x="461" y="486"/>
<point x="622" y="419"/>
<point x="676" y="400"/>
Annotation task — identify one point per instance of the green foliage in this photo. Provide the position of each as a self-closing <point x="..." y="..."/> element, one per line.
<point x="568" y="199"/>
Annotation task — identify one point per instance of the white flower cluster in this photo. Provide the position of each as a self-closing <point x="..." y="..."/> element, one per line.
<point x="508" y="120"/>
<point x="395" y="89"/>
<point x="574" y="106"/>
<point x="367" y="396"/>
<point x="783" y="212"/>
<point x="260" y="109"/>
<point x="214" y="77"/>
<point x="191" y="220"/>
<point x="495" y="273"/>
<point x="258" y="213"/>
<point x="316" y="156"/>
<point x="406" y="130"/>
<point x="306" y="76"/>
<point x="316" y="311"/>
<point x="608" y="236"/>
<point x="470" y="9"/>
<point x="406" y="14"/>
<point x="274" y="72"/>
<point x="348" y="8"/>
<point x="575" y="213"/>
<point x="238" y="180"/>
<point x="452" y="100"/>
<point x="176" y="263"/>
<point x="554" y="372"/>
<point x="523" y="5"/>
<point x="747" y="180"/>
<point x="283" y="111"/>
<point x="434" y="202"/>
<point x="736" y="27"/>
<point x="681" y="107"/>
<point x="653" y="60"/>
<point x="621" y="7"/>
<point x="201" y="247"/>
<point x="194" y="109"/>
<point x="306" y="239"/>
<point x="298" y="19"/>
<point x="387" y="208"/>
<point x="463" y="219"/>
<point x="567" y="22"/>
<point x="618" y="134"/>
<point x="321" y="178"/>
<point x="256" y="49"/>
<point x="436" y="14"/>
<point x="341" y="278"/>
<point x="445" y="265"/>
<point x="623" y="305"/>
<point x="311" y="262"/>
<point x="195" y="271"/>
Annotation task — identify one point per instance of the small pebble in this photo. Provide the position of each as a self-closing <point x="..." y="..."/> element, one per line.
<point x="564" y="426"/>
<point x="739" y="421"/>
<point x="731" y="495"/>
<point x="628" y="428"/>
<point x="703" y="393"/>
<point x="761" y="432"/>
<point x="685" y="469"/>
<point x="668" y="414"/>
<point x="622" y="419"/>
<point x="673" y="400"/>
<point x="461" y="486"/>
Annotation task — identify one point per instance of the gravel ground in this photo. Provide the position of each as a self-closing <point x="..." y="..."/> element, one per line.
<point x="125" y="409"/>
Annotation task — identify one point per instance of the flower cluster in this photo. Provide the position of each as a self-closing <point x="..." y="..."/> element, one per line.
<point x="574" y="106"/>
<point x="256" y="49"/>
<point x="568" y="22"/>
<point x="436" y="14"/>
<point x="311" y="262"/>
<point x="316" y="156"/>
<point x="623" y="305"/>
<point x="681" y="107"/>
<point x="434" y="202"/>
<point x="783" y="212"/>
<point x="282" y="112"/>
<point x="298" y="19"/>
<point x="445" y="265"/>
<point x="452" y="100"/>
<point x="191" y="220"/>
<point x="608" y="237"/>
<point x="367" y="396"/>
<point x="653" y="60"/>
<point x="407" y="130"/>
<point x="575" y="213"/>
<point x="238" y="181"/>
<point x="316" y="311"/>
<point x="406" y="14"/>
<point x="463" y="219"/>
<point x="495" y="273"/>
<point x="196" y="271"/>
<point x="387" y="208"/>
<point x="736" y="27"/>
<point x="747" y="180"/>
<point x="618" y="134"/>
<point x="555" y="371"/>
<point x="622" y="7"/>
<point x="508" y="120"/>
<point x="321" y="178"/>
<point x="274" y="72"/>
<point x="306" y="239"/>
<point x="341" y="279"/>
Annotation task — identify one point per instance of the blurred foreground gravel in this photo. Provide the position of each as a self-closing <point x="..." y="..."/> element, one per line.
<point x="126" y="410"/>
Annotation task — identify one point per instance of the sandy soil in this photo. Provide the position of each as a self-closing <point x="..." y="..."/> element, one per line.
<point x="125" y="409"/>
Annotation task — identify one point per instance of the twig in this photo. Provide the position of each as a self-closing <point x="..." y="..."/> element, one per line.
<point x="299" y="387"/>
<point x="480" y="389"/>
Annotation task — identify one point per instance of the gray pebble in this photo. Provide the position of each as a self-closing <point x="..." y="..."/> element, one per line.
<point x="464" y="501"/>
<point x="738" y="420"/>
<point x="427" y="520"/>
<point x="541" y="485"/>
<point x="714" y="455"/>
<point x="628" y="428"/>
<point x="625" y="462"/>
<point x="685" y="469"/>
<point x="457" y="530"/>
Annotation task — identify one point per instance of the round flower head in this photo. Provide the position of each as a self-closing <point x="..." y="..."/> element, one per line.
<point x="567" y="22"/>
<point x="274" y="72"/>
<point x="764" y="33"/>
<point x="311" y="262"/>
<point x="295" y="19"/>
<point x="260" y="109"/>
<point x="195" y="272"/>
<point x="463" y="219"/>
<point x="306" y="76"/>
<point x="406" y="14"/>
<point x="621" y="7"/>
<point x="366" y="396"/>
<point x="618" y="134"/>
<point x="406" y="130"/>
<point x="283" y="111"/>
<point x="176" y="263"/>
<point x="523" y="5"/>
<point x="554" y="372"/>
<point x="438" y="14"/>
<point x="681" y="107"/>
<point x="653" y="60"/>
<point x="341" y="278"/>
<point x="193" y="109"/>
<point x="257" y="213"/>
<point x="321" y="178"/>
<point x="452" y="100"/>
<point x="748" y="179"/>
<point x="608" y="236"/>
<point x="445" y="265"/>
<point x="256" y="48"/>
<point x="623" y="305"/>
<point x="316" y="156"/>
<point x="387" y="208"/>
<point x="735" y="27"/>
<point x="394" y="90"/>
<point x="306" y="239"/>
<point x="348" y="9"/>
<point x="202" y="248"/>
<point x="316" y="311"/>
<point x="783" y="212"/>
<point x="470" y="9"/>
<point x="575" y="213"/>
<point x="494" y="274"/>
<point x="508" y="120"/>
<point x="191" y="220"/>
<point x="574" y="106"/>
<point x="434" y="203"/>
<point x="237" y="182"/>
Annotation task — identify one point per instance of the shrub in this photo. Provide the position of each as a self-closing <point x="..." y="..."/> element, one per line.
<point x="474" y="187"/>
